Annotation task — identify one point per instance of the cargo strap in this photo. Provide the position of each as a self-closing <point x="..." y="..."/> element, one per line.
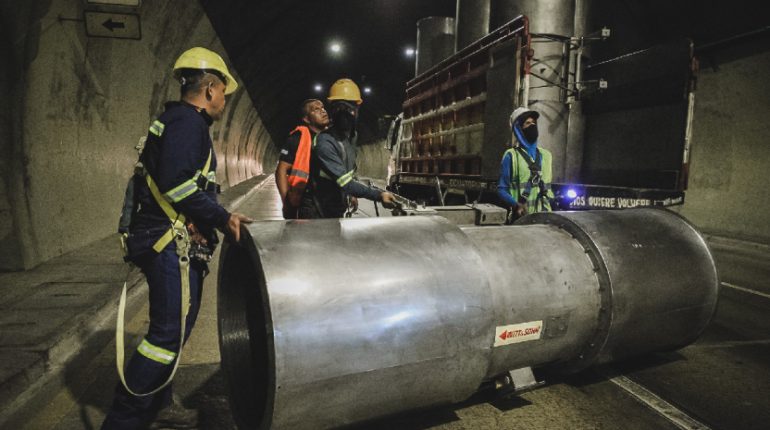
<point x="182" y="239"/>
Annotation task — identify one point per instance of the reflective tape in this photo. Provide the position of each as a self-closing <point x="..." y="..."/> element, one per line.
<point x="156" y="353"/>
<point x="344" y="179"/>
<point x="157" y="128"/>
<point x="180" y="192"/>
<point x="299" y="174"/>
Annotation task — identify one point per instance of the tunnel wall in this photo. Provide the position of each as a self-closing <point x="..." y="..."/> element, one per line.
<point x="78" y="107"/>
<point x="372" y="160"/>
<point x="729" y="182"/>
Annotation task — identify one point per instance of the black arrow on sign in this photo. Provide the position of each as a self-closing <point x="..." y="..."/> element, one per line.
<point x="112" y="25"/>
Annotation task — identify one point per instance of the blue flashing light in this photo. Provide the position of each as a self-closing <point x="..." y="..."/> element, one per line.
<point x="571" y="194"/>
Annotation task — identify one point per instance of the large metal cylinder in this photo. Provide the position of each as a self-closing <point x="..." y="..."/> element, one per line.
<point x="471" y="22"/>
<point x="332" y="322"/>
<point x="435" y="41"/>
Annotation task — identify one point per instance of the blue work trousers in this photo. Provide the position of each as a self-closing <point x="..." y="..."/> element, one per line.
<point x="144" y="374"/>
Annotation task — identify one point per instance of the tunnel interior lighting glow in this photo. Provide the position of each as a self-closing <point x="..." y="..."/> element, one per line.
<point x="409" y="52"/>
<point x="335" y="47"/>
<point x="367" y="90"/>
<point x="318" y="88"/>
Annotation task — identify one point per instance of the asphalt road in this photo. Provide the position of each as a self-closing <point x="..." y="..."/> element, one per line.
<point x="720" y="382"/>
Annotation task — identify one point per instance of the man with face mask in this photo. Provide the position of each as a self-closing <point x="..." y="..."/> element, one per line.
<point x="333" y="160"/>
<point x="525" y="172"/>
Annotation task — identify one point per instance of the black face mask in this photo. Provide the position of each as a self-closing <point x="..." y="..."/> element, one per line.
<point x="344" y="120"/>
<point x="530" y="133"/>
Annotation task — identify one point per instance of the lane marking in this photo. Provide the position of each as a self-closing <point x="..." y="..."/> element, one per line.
<point x="746" y="290"/>
<point x="729" y="344"/>
<point x="662" y="407"/>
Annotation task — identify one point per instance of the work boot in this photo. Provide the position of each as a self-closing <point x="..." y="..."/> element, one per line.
<point x="175" y="416"/>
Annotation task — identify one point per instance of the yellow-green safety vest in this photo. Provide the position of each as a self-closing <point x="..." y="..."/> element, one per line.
<point x="520" y="175"/>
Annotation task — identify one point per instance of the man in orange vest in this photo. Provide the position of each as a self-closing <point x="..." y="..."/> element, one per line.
<point x="293" y="169"/>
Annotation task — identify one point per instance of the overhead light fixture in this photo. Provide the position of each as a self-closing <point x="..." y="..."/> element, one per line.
<point x="318" y="88"/>
<point x="335" y="47"/>
<point x="367" y="90"/>
<point x="409" y="52"/>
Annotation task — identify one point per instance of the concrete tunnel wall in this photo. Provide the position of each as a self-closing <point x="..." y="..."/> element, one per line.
<point x="78" y="105"/>
<point x="730" y="154"/>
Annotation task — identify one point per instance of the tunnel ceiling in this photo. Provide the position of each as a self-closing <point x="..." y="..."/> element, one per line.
<point x="280" y="48"/>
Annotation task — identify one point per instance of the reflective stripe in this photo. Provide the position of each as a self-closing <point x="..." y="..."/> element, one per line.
<point x="344" y="179"/>
<point x="180" y="192"/>
<point x="157" y="128"/>
<point x="299" y="174"/>
<point x="156" y="353"/>
<point x="190" y="186"/>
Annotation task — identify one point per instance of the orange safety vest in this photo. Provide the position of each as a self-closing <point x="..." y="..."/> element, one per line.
<point x="300" y="169"/>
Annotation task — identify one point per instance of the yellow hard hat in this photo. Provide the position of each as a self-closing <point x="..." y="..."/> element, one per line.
<point x="204" y="59"/>
<point x="345" y="89"/>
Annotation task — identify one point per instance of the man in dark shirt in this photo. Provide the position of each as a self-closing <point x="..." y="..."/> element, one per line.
<point x="315" y="119"/>
<point x="333" y="160"/>
<point x="176" y="210"/>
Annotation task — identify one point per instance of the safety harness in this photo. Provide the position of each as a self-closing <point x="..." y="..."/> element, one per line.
<point x="179" y="234"/>
<point x="535" y="178"/>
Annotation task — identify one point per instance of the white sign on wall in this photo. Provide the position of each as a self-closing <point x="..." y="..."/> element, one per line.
<point x="114" y="25"/>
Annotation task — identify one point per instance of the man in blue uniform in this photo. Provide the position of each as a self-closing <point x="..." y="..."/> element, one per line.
<point x="171" y="234"/>
<point x="333" y="160"/>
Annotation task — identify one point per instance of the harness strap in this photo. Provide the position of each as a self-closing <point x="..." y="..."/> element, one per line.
<point x="177" y="219"/>
<point x="183" y="248"/>
<point x="534" y="176"/>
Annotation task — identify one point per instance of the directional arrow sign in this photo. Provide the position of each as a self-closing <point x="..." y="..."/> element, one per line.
<point x="112" y="25"/>
<point x="115" y="25"/>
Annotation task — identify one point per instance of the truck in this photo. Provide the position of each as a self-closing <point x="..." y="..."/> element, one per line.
<point x="628" y="118"/>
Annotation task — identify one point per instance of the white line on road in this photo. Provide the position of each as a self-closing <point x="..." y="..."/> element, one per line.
<point x="654" y="402"/>
<point x="745" y="290"/>
<point x="733" y="344"/>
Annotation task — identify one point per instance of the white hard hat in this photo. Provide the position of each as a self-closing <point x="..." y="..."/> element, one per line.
<point x="522" y="111"/>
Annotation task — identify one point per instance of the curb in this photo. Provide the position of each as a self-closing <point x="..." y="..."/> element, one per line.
<point x="38" y="382"/>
